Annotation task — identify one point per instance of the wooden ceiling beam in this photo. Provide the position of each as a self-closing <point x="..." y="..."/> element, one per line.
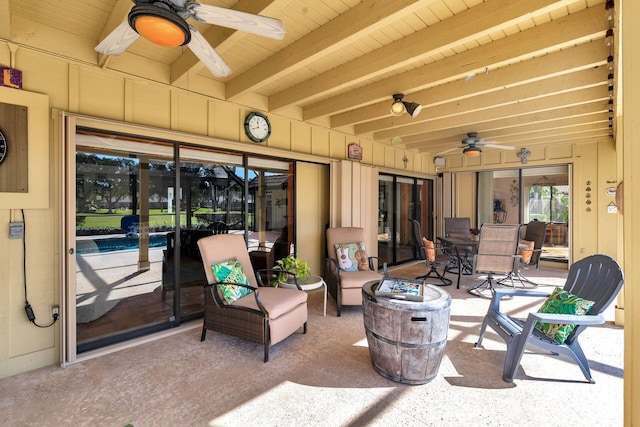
<point x="559" y="63"/>
<point x="489" y="16"/>
<point x="548" y="103"/>
<point x="554" y="35"/>
<point x="598" y="128"/>
<point x="591" y="110"/>
<point x="561" y="139"/>
<point x="537" y="117"/>
<point x="530" y="145"/>
<point x="545" y="133"/>
<point x="489" y="101"/>
<point x="445" y="137"/>
<point x="344" y="29"/>
<point x="580" y="136"/>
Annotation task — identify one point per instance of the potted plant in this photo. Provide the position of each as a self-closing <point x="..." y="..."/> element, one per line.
<point x="291" y="264"/>
<point x="475" y="232"/>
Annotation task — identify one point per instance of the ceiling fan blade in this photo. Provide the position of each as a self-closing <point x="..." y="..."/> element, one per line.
<point x="502" y="147"/>
<point x="118" y="40"/>
<point x="255" y="24"/>
<point x="207" y="54"/>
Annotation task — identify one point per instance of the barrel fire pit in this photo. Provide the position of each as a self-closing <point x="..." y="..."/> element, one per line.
<point x="406" y="339"/>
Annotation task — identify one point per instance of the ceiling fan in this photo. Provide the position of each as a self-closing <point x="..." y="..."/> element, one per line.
<point x="164" y="22"/>
<point x="471" y="145"/>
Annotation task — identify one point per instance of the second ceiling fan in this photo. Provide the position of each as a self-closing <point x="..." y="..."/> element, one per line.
<point x="472" y="144"/>
<point x="164" y="22"/>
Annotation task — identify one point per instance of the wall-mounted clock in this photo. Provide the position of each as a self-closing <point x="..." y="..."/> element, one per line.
<point x="3" y="147"/>
<point x="257" y="127"/>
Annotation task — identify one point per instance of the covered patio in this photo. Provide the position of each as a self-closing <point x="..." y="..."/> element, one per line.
<point x="540" y="84"/>
<point x="325" y="378"/>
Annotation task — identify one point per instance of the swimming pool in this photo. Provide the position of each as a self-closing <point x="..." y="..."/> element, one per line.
<point x="110" y="244"/>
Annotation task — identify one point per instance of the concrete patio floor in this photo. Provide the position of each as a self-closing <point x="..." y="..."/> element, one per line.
<point x="325" y="378"/>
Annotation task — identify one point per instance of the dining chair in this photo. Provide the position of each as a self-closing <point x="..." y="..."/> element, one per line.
<point x="434" y="256"/>
<point x="457" y="226"/>
<point x="532" y="237"/>
<point x="496" y="254"/>
<point x="460" y="227"/>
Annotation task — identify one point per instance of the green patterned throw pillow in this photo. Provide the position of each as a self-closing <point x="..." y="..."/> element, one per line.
<point x="231" y="271"/>
<point x="562" y="302"/>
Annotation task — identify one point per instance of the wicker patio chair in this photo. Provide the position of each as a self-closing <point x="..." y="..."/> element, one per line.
<point x="267" y="315"/>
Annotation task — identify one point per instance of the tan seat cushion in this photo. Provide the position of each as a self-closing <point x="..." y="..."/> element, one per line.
<point x="355" y="279"/>
<point x="277" y="301"/>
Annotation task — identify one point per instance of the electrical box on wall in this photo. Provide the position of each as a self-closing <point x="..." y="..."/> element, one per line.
<point x="14" y="171"/>
<point x="24" y="171"/>
<point x="16" y="230"/>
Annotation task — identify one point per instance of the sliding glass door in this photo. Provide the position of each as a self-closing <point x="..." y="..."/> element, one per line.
<point x="399" y="200"/>
<point x="140" y="205"/>
<point x="515" y="196"/>
<point x="123" y="198"/>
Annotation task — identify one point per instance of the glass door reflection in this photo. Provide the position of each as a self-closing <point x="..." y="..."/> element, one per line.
<point x="271" y="213"/>
<point x="122" y="220"/>
<point x="211" y="201"/>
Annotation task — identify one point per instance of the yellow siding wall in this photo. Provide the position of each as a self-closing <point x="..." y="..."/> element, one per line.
<point x="200" y="116"/>
<point x="310" y="226"/>
<point x="36" y="209"/>
<point x="466" y="195"/>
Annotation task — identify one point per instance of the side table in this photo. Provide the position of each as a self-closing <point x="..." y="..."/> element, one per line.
<point x="406" y="339"/>
<point x="310" y="283"/>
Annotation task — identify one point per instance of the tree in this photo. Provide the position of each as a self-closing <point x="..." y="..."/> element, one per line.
<point x="106" y="179"/>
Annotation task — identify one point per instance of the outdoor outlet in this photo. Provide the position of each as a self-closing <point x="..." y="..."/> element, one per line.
<point x="16" y="230"/>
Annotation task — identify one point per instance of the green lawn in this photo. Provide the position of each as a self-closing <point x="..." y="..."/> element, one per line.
<point x="103" y="220"/>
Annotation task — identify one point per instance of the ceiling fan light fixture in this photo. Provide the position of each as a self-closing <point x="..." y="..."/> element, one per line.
<point x="397" y="107"/>
<point x="472" y="151"/>
<point x="159" y="26"/>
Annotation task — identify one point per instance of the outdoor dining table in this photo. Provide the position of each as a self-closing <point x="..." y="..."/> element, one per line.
<point x="463" y="261"/>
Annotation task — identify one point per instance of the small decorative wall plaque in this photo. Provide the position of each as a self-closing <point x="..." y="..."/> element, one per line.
<point x="354" y="152"/>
